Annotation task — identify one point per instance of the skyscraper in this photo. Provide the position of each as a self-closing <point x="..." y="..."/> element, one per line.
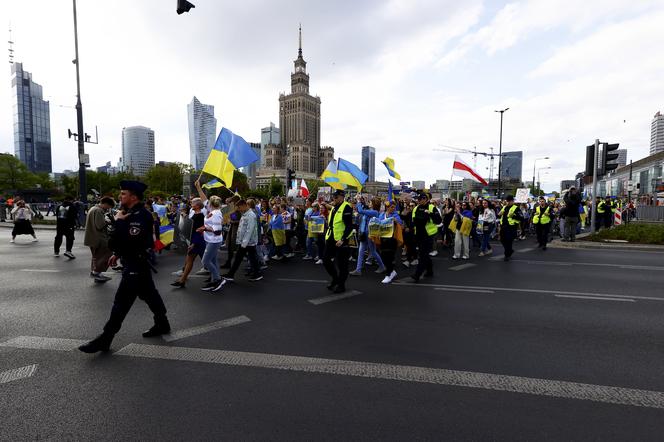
<point x="511" y="166"/>
<point x="269" y="135"/>
<point x="202" y="132"/>
<point x="657" y="134"/>
<point x="137" y="149"/>
<point x="32" y="126"/>
<point x="369" y="162"/>
<point x="622" y="157"/>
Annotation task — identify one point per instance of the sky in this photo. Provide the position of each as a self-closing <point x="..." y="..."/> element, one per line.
<point x="404" y="76"/>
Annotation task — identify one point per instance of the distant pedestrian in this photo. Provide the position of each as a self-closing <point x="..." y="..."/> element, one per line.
<point x="488" y="218"/>
<point x="22" y="221"/>
<point x="337" y="251"/>
<point x="3" y="209"/>
<point x="96" y="237"/>
<point x="571" y="211"/>
<point x="246" y="239"/>
<point x="66" y="218"/>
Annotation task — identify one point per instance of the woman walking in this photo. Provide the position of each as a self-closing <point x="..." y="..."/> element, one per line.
<point x="366" y="244"/>
<point x="388" y="246"/>
<point x="488" y="218"/>
<point x="212" y="227"/>
<point x="197" y="244"/>
<point x="22" y="216"/>
<point x="463" y="225"/>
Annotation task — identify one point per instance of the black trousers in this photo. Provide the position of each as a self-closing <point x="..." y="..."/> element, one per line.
<point x="338" y="269"/>
<point x="507" y="236"/>
<point x="542" y="231"/>
<point x="132" y="285"/>
<point x="410" y="245"/>
<point x="424" y="247"/>
<point x="68" y="233"/>
<point x="388" y="248"/>
<point x="608" y="219"/>
<point x="239" y="256"/>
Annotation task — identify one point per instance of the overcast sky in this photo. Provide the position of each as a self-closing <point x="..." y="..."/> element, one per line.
<point x="405" y="76"/>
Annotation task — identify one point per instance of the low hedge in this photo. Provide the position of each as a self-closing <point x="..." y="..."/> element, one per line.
<point x="634" y="233"/>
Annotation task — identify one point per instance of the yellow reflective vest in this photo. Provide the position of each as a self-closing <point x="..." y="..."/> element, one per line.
<point x="430" y="227"/>
<point x="510" y="215"/>
<point x="542" y="217"/>
<point x="336" y="226"/>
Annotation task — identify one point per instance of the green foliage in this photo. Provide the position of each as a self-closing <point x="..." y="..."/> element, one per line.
<point x="634" y="233"/>
<point x="276" y="187"/>
<point x="258" y="194"/>
<point x="314" y="185"/>
<point x="166" y="178"/>
<point x="14" y="175"/>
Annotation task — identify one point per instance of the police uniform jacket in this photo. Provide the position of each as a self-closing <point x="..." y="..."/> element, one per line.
<point x="133" y="238"/>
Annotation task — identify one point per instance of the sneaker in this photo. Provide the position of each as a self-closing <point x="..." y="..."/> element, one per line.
<point x="455" y="257"/>
<point x="117" y="268"/>
<point x="406" y="264"/>
<point x="393" y="275"/>
<point x="434" y="253"/>
<point x="94" y="274"/>
<point x="465" y="257"/>
<point x="12" y="241"/>
<point x="380" y="270"/>
<point x="386" y="280"/>
<point x="202" y="271"/>
<point x="289" y="255"/>
<point x="263" y="267"/>
<point x="56" y="254"/>
<point x="69" y="255"/>
<point x="266" y="258"/>
<point x="177" y="284"/>
<point x="102" y="278"/>
<point x="414" y="262"/>
<point x="355" y="273"/>
<point x="178" y="273"/>
<point x="34" y="240"/>
<point x="481" y="254"/>
<point x="277" y="258"/>
<point x="488" y="252"/>
<point x="320" y="261"/>
<point x="228" y="277"/>
<point x="306" y="258"/>
<point x="211" y="285"/>
<point x="256" y="278"/>
<point x="219" y="285"/>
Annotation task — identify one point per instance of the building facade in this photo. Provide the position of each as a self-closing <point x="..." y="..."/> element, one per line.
<point x="511" y="168"/>
<point x="269" y="135"/>
<point x="419" y="185"/>
<point x="566" y="184"/>
<point x="32" y="125"/>
<point x="622" y="157"/>
<point x="657" y="134"/>
<point x="137" y="149"/>
<point x="647" y="176"/>
<point x="369" y="162"/>
<point x="202" y="132"/>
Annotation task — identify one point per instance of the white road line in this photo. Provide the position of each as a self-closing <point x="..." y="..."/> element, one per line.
<point x="599" y="298"/>
<point x="462" y="266"/>
<point x="464" y="290"/>
<point x="326" y="299"/>
<point x="194" y="331"/>
<point x="318" y="281"/>
<point x="18" y="373"/>
<point x="496" y="258"/>
<point x="404" y="373"/>
<point x="546" y="292"/>
<point x="40" y="270"/>
<point x="528" y="249"/>
<point x="38" y="343"/>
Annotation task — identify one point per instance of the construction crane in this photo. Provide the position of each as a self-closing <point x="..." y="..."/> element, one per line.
<point x="475" y="153"/>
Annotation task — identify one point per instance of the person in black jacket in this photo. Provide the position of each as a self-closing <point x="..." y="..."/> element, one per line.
<point x="66" y="215"/>
<point x="510" y="218"/>
<point x="426" y="220"/>
<point x="572" y="202"/>
<point x="339" y="230"/>
<point x="131" y="241"/>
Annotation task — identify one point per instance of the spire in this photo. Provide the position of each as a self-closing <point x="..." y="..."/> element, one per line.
<point x="299" y="52"/>
<point x="11" y="46"/>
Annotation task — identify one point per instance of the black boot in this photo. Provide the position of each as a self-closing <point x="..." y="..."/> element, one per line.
<point x="161" y="327"/>
<point x="100" y="343"/>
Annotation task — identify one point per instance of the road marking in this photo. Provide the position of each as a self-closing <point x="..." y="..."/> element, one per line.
<point x="464" y="290"/>
<point x="546" y="292"/>
<point x="496" y="258"/>
<point x="527" y="249"/>
<point x="18" y="373"/>
<point x="40" y="270"/>
<point x="201" y="329"/>
<point x="600" y="298"/>
<point x="326" y="299"/>
<point x="38" y="343"/>
<point x="462" y="266"/>
<point x="404" y="373"/>
<point x="319" y="281"/>
<point x="592" y="264"/>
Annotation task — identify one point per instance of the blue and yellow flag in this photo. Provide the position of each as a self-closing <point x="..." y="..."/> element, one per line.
<point x="230" y="152"/>
<point x="330" y="176"/>
<point x="213" y="184"/>
<point x="351" y="175"/>
<point x="389" y="164"/>
<point x="390" y="191"/>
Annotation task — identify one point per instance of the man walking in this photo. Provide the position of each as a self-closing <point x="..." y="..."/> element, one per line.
<point x="66" y="216"/>
<point x="425" y="221"/>
<point x="247" y="239"/>
<point x="131" y="240"/>
<point x="96" y="237"/>
<point x="572" y="202"/>
<point x="339" y="229"/>
<point x="510" y="219"/>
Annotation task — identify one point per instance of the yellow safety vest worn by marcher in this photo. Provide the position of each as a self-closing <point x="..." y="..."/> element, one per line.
<point x="601" y="207"/>
<point x="430" y="227"/>
<point x="510" y="215"/>
<point x="336" y="226"/>
<point x="545" y="218"/>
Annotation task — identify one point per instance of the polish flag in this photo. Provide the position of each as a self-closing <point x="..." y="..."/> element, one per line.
<point x="463" y="170"/>
<point x="304" y="190"/>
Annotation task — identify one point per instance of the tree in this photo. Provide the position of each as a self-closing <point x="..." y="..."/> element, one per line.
<point x="314" y="185"/>
<point x="166" y="178"/>
<point x="276" y="187"/>
<point x="14" y="175"/>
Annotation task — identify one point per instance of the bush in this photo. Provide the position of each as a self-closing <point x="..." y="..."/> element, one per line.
<point x="635" y="233"/>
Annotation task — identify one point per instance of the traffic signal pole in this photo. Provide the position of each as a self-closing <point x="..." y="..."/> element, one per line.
<point x="593" y="215"/>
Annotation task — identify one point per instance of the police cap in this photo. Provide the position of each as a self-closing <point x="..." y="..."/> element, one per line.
<point x="339" y="192"/>
<point x="509" y="198"/>
<point x="135" y="187"/>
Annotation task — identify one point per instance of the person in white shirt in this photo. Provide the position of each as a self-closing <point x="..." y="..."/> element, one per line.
<point x="212" y="232"/>
<point x="488" y="217"/>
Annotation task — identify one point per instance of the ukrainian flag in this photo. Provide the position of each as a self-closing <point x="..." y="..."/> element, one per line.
<point x="230" y="152"/>
<point x="165" y="237"/>
<point x="330" y="176"/>
<point x="213" y="184"/>
<point x="389" y="164"/>
<point x="350" y="174"/>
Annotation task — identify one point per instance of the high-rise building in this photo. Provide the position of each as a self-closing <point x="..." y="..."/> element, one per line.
<point x="566" y="184"/>
<point x="657" y="134"/>
<point x="202" y="132"/>
<point x="32" y="126"/>
<point x="369" y="162"/>
<point x="511" y="166"/>
<point x="269" y="135"/>
<point x="137" y="149"/>
<point x="622" y="157"/>
<point x="419" y="185"/>
<point x="299" y="121"/>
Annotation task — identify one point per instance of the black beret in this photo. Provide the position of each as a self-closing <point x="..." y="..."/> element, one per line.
<point x="136" y="187"/>
<point x="339" y="192"/>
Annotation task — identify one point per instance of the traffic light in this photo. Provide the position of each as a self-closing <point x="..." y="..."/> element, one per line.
<point x="590" y="159"/>
<point x="290" y="178"/>
<point x="184" y="6"/>
<point x="608" y="158"/>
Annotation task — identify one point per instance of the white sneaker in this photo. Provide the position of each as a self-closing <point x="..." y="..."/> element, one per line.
<point x="307" y="258"/>
<point x="455" y="257"/>
<point x="414" y="262"/>
<point x="355" y="273"/>
<point x="386" y="280"/>
<point x="406" y="264"/>
<point x="489" y="252"/>
<point x="320" y="261"/>
<point x="393" y="275"/>
<point x="178" y="273"/>
<point x="481" y="254"/>
<point x="434" y="253"/>
<point x="34" y="240"/>
<point x="12" y="241"/>
<point x="465" y="257"/>
<point x="202" y="271"/>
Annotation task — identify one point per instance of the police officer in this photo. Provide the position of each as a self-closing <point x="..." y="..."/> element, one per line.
<point x="425" y="221"/>
<point x="542" y="222"/>
<point x="510" y="219"/>
<point x="130" y="241"/>
<point x="610" y="212"/>
<point x="601" y="214"/>
<point x="339" y="230"/>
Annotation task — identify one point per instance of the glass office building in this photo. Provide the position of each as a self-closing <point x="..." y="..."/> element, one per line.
<point x="137" y="149"/>
<point x="369" y="162"/>
<point x="202" y="132"/>
<point x="32" y="127"/>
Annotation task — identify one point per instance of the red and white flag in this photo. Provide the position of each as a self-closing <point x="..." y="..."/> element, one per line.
<point x="304" y="190"/>
<point x="463" y="170"/>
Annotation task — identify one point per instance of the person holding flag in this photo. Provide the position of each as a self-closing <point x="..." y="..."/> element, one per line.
<point x="339" y="230"/>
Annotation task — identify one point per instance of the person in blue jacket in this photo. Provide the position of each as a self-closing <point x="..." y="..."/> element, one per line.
<point x="388" y="246"/>
<point x="363" y="235"/>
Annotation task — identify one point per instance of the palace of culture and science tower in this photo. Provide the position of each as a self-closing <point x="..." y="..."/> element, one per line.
<point x="299" y="123"/>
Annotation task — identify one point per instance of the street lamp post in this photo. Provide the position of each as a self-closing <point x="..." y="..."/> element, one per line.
<point x="500" y="151"/>
<point x="82" y="187"/>
<point x="534" y="164"/>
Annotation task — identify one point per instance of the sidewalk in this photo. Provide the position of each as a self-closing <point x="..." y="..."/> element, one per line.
<point x="10" y="225"/>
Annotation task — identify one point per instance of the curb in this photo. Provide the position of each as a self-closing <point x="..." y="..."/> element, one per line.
<point x="558" y="244"/>
<point x="9" y="225"/>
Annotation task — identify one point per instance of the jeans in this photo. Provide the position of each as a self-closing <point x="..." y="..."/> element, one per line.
<point x="210" y="260"/>
<point x="461" y="243"/>
<point x="486" y="237"/>
<point x="253" y="261"/>
<point x="570" y="227"/>
<point x="364" y="245"/>
<point x="310" y="246"/>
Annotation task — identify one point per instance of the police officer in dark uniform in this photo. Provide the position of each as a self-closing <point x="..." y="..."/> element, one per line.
<point x="510" y="219"/>
<point x="425" y="221"/>
<point x="131" y="241"/>
<point x="339" y="230"/>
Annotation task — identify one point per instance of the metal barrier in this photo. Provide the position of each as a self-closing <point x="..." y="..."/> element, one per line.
<point x="650" y="213"/>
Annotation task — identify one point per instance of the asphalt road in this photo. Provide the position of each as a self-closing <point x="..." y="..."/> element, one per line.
<point x="555" y="345"/>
